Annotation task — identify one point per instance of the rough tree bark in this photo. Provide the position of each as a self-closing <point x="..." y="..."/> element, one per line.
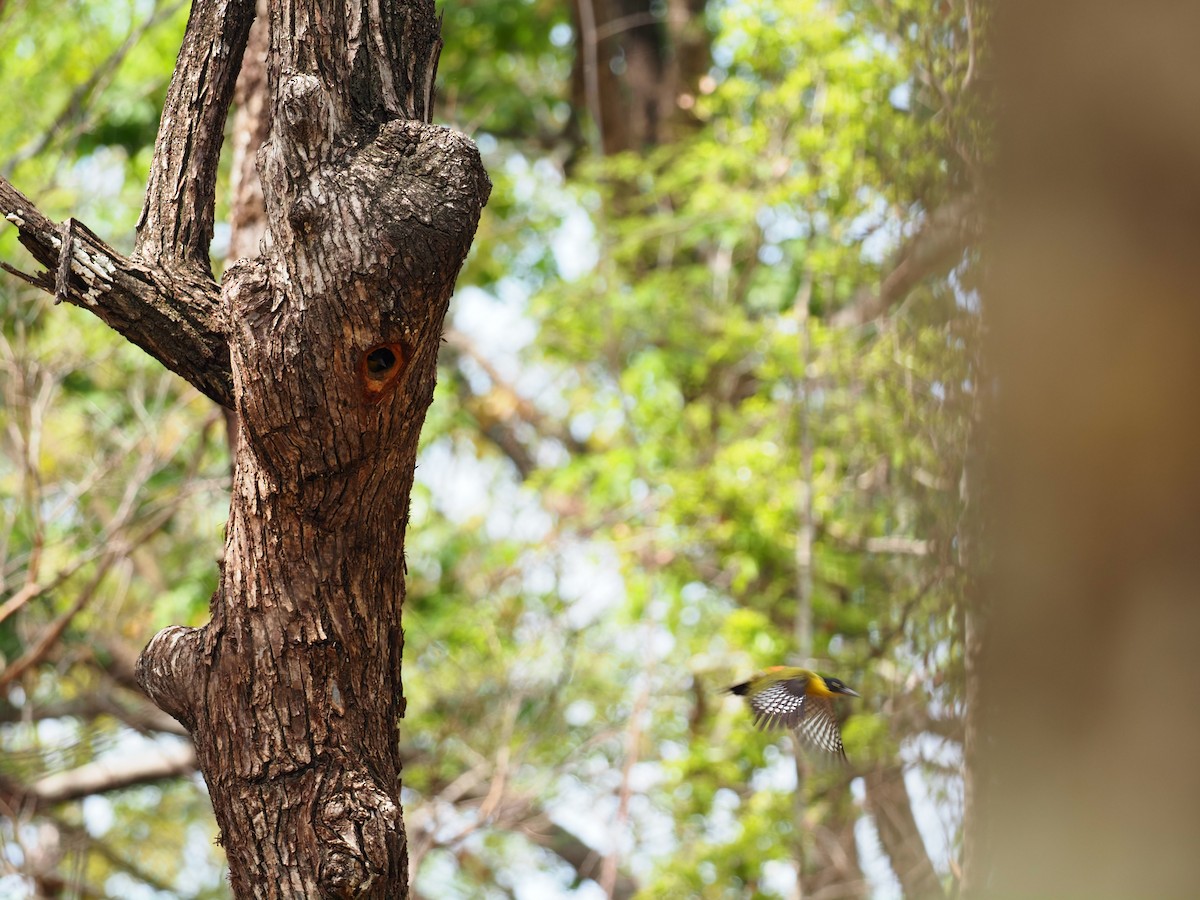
<point x="325" y="347"/>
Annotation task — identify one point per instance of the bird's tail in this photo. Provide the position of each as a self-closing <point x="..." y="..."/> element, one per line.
<point x="739" y="689"/>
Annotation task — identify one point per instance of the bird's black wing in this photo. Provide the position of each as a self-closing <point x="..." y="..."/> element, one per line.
<point x="781" y="705"/>
<point x="818" y="729"/>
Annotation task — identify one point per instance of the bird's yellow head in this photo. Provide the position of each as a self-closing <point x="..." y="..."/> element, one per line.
<point x="827" y="687"/>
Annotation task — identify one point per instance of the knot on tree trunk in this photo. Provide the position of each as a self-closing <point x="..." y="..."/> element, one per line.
<point x="359" y="829"/>
<point x="166" y="671"/>
<point x="306" y="117"/>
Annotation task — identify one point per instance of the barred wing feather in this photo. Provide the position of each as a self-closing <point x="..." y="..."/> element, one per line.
<point x="818" y="729"/>
<point x="781" y="705"/>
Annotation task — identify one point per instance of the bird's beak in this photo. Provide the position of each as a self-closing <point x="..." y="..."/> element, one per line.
<point x="847" y="690"/>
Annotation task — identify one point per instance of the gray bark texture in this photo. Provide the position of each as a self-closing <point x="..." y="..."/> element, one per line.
<point x="325" y="347"/>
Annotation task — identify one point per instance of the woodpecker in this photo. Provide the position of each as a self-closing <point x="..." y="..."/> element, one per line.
<point x="788" y="697"/>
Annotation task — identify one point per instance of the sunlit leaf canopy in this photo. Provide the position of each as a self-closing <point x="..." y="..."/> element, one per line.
<point x="655" y="404"/>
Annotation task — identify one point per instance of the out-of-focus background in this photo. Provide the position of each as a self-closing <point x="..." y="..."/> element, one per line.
<point x="713" y="397"/>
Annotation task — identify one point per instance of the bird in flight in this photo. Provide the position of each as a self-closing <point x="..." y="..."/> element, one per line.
<point x="799" y="699"/>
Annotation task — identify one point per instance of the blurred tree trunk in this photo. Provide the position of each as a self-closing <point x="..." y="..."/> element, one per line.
<point x="248" y="213"/>
<point x="638" y="68"/>
<point x="1090" y="667"/>
<point x="325" y="348"/>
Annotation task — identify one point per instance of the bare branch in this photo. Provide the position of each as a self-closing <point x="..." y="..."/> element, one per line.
<point x="107" y="775"/>
<point x="21" y="801"/>
<point x="176" y="224"/>
<point x="500" y="420"/>
<point x="579" y="856"/>
<point x="172" y="313"/>
<point x="947" y="233"/>
<point x="897" y="545"/>
<point x="77" y="834"/>
<point x="173" y="316"/>
<point x="134" y="711"/>
<point x="522" y="813"/>
<point x="889" y="804"/>
<point x="49" y="638"/>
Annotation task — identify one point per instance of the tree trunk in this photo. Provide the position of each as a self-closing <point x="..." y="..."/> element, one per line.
<point x="1090" y="670"/>
<point x="637" y="69"/>
<point x="326" y="348"/>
